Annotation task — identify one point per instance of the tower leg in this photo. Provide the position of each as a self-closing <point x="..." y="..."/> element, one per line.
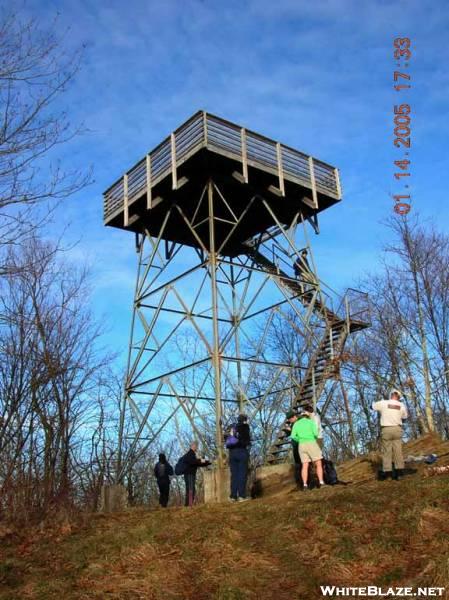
<point x="216" y="359"/>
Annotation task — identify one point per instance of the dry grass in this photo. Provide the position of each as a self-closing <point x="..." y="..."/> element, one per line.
<point x="390" y="533"/>
<point x="366" y="467"/>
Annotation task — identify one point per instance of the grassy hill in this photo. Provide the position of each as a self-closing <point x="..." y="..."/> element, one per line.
<point x="368" y="533"/>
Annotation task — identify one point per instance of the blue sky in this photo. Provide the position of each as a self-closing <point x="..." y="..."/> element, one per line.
<point x="317" y="76"/>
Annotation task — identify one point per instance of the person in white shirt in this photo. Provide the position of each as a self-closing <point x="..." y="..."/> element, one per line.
<point x="392" y="413"/>
<point x="316" y="417"/>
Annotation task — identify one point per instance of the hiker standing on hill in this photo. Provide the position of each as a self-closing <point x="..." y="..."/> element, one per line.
<point x="163" y="471"/>
<point x="237" y="443"/>
<point x="305" y="432"/>
<point x="291" y="418"/>
<point x="392" y="413"/>
<point x="192" y="463"/>
<point x="316" y="417"/>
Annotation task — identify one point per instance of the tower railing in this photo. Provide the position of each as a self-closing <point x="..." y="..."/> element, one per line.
<point x="204" y="130"/>
<point x="355" y="306"/>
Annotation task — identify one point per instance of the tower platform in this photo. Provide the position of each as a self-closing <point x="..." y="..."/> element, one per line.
<point x="242" y="164"/>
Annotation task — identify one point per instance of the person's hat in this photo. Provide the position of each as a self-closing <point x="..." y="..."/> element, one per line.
<point x="290" y="414"/>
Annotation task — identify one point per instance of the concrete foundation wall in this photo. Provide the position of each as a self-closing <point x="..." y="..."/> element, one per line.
<point x="217" y="485"/>
<point x="273" y="479"/>
<point x="114" y="498"/>
<point x="268" y="481"/>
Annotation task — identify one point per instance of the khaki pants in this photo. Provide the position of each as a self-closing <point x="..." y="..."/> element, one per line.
<point x="309" y="452"/>
<point x="392" y="448"/>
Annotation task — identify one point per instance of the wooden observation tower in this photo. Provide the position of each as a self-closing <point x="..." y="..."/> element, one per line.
<point x="221" y="215"/>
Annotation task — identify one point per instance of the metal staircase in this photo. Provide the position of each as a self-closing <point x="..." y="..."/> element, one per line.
<point x="325" y="360"/>
<point x="304" y="291"/>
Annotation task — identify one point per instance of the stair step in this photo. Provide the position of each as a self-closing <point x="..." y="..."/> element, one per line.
<point x="277" y="452"/>
<point x="281" y="443"/>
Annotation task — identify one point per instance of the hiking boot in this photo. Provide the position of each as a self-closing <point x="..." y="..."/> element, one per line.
<point x="397" y="474"/>
<point x="231" y="499"/>
<point x="384" y="475"/>
<point x="243" y="499"/>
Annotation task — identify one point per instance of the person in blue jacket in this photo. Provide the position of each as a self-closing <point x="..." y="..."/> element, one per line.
<point x="239" y="458"/>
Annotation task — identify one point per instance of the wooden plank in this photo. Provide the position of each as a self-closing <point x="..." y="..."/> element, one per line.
<point x="312" y="181"/>
<point x="125" y="201"/>
<point x="148" y="174"/>
<point x="244" y="155"/>
<point x="280" y="168"/>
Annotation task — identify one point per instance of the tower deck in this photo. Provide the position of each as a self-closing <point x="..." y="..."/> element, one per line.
<point x="244" y="165"/>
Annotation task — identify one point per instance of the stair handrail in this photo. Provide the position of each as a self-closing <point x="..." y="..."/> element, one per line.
<point x="351" y="312"/>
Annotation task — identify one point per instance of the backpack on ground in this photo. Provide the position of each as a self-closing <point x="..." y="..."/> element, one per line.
<point x="312" y="479"/>
<point x="329" y="472"/>
<point x="181" y="466"/>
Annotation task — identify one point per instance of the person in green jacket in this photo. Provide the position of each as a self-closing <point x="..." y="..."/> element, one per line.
<point x="305" y="432"/>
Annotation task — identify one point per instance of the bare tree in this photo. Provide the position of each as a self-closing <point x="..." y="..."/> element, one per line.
<point x="51" y="361"/>
<point x="35" y="71"/>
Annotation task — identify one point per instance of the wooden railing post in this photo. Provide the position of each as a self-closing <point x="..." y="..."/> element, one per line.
<point x="337" y="182"/>
<point x="148" y="173"/>
<point x="244" y="155"/>
<point x="125" y="200"/>
<point x="173" y="162"/>
<point x="205" y="127"/>
<point x="313" y="182"/>
<point x="280" y="168"/>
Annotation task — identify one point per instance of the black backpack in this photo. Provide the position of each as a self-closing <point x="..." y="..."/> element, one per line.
<point x="161" y="470"/>
<point x="181" y="466"/>
<point x="312" y="480"/>
<point x="329" y="472"/>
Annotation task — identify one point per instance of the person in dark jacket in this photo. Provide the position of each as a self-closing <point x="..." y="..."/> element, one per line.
<point x="291" y="418"/>
<point x="306" y="278"/>
<point x="192" y="462"/>
<point x="163" y="471"/>
<point x="238" y="459"/>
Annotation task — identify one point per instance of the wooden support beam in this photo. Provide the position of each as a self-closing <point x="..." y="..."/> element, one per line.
<point x="182" y="182"/>
<point x="274" y="190"/>
<point x="238" y="176"/>
<point x="133" y="218"/>
<point x="308" y="201"/>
